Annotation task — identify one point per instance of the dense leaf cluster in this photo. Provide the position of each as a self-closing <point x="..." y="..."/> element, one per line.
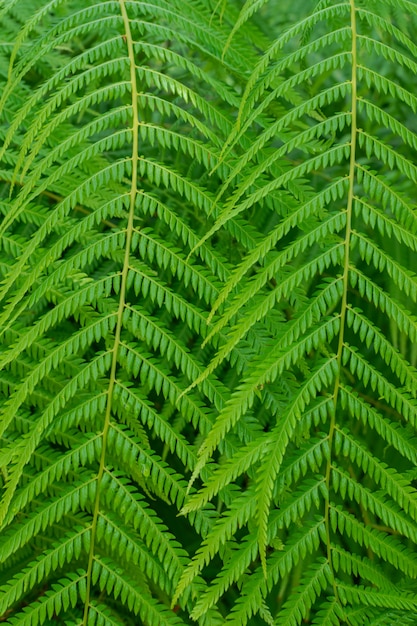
<point x="208" y="339"/>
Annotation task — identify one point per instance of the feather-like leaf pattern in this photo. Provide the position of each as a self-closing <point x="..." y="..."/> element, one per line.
<point x="208" y="337"/>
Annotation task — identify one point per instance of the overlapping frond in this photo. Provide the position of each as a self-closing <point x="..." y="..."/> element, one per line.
<point x="337" y="266"/>
<point x="105" y="123"/>
<point x="208" y="339"/>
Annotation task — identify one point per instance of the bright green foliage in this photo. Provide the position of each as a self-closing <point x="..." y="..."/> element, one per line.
<point x="208" y="312"/>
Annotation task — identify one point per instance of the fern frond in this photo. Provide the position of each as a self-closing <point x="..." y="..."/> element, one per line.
<point x="255" y="588"/>
<point x="396" y="435"/>
<point x="208" y="343"/>
<point x="313" y="583"/>
<point x="381" y="599"/>
<point x="384" y="546"/>
<point x="71" y="547"/>
<point x="62" y="596"/>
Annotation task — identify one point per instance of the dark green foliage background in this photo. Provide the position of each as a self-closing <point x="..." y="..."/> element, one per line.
<point x="208" y="339"/>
